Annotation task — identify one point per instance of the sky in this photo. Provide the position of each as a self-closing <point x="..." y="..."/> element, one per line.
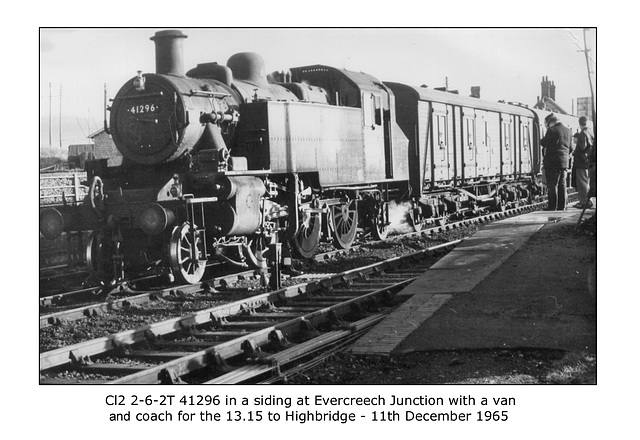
<point x="507" y="63"/>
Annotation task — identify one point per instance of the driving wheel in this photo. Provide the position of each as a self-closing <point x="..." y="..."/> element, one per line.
<point x="344" y="219"/>
<point x="257" y="248"/>
<point x="305" y="242"/>
<point x="97" y="255"/>
<point x="186" y="254"/>
<point x="378" y="226"/>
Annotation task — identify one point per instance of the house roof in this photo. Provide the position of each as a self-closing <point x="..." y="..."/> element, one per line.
<point x="549" y="104"/>
<point x="96" y="133"/>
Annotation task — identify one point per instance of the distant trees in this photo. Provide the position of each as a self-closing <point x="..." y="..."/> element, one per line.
<point x="52" y="156"/>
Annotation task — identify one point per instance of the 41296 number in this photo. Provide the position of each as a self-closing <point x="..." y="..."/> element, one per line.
<point x="200" y="400"/>
<point x="143" y="108"/>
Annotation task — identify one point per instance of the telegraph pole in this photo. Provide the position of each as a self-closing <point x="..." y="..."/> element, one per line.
<point x="593" y="100"/>
<point x="60" y="118"/>
<point x="49" y="115"/>
<point x="586" y="51"/>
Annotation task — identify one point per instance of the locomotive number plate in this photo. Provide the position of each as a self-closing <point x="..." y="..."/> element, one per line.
<point x="144" y="108"/>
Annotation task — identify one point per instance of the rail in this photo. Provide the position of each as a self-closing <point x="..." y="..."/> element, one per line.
<point x="198" y="321"/>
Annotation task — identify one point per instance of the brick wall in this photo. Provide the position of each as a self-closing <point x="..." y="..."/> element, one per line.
<point x="105" y="149"/>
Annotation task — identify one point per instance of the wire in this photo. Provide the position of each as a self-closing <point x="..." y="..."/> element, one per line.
<point x="576" y="41"/>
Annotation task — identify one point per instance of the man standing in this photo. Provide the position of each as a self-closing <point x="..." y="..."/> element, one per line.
<point x="556" y="148"/>
<point x="581" y="163"/>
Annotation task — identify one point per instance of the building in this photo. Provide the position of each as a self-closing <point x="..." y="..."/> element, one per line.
<point x="104" y="148"/>
<point x="585" y="107"/>
<point x="101" y="148"/>
<point x="79" y="154"/>
<point x="547" y="99"/>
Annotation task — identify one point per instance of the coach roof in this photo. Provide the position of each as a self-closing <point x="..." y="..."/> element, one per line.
<point x="431" y="95"/>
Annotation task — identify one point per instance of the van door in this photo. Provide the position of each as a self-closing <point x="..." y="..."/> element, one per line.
<point x="441" y="138"/>
<point x="507" y="145"/>
<point x="468" y="147"/>
<point x="526" y="152"/>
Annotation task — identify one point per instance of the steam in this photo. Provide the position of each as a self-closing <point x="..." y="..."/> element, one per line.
<point x="399" y="218"/>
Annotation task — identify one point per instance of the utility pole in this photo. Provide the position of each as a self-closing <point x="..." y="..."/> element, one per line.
<point x="60" y="117"/>
<point x="593" y="99"/>
<point x="49" y="115"/>
<point x="104" y="110"/>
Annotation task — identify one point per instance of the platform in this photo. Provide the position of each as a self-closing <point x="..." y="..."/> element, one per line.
<point x="482" y="296"/>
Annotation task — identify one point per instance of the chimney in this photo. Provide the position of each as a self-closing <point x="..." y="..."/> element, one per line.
<point x="553" y="91"/>
<point x="475" y="91"/>
<point x="546" y="88"/>
<point x="169" y="52"/>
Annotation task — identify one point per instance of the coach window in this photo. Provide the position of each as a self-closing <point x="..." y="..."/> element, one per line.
<point x="471" y="136"/>
<point x="442" y="137"/>
<point x="487" y="138"/>
<point x="506" y="132"/>
<point x="525" y="137"/>
<point x="372" y="110"/>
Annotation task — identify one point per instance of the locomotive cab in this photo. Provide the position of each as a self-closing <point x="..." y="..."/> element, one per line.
<point x="341" y="115"/>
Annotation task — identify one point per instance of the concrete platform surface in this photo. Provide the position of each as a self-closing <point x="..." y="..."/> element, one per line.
<point x="518" y="282"/>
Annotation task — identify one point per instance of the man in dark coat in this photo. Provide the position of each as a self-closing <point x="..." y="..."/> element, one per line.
<point x="556" y="149"/>
<point x="584" y="145"/>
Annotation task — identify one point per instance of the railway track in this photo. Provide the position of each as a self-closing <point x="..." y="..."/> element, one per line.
<point x="119" y="298"/>
<point x="243" y="340"/>
<point x="94" y="301"/>
<point x="260" y="338"/>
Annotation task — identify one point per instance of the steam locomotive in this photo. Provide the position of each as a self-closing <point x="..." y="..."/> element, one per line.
<point x="223" y="161"/>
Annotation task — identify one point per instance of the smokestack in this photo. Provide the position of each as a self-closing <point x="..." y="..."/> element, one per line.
<point x="546" y="87"/>
<point x="169" y="52"/>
